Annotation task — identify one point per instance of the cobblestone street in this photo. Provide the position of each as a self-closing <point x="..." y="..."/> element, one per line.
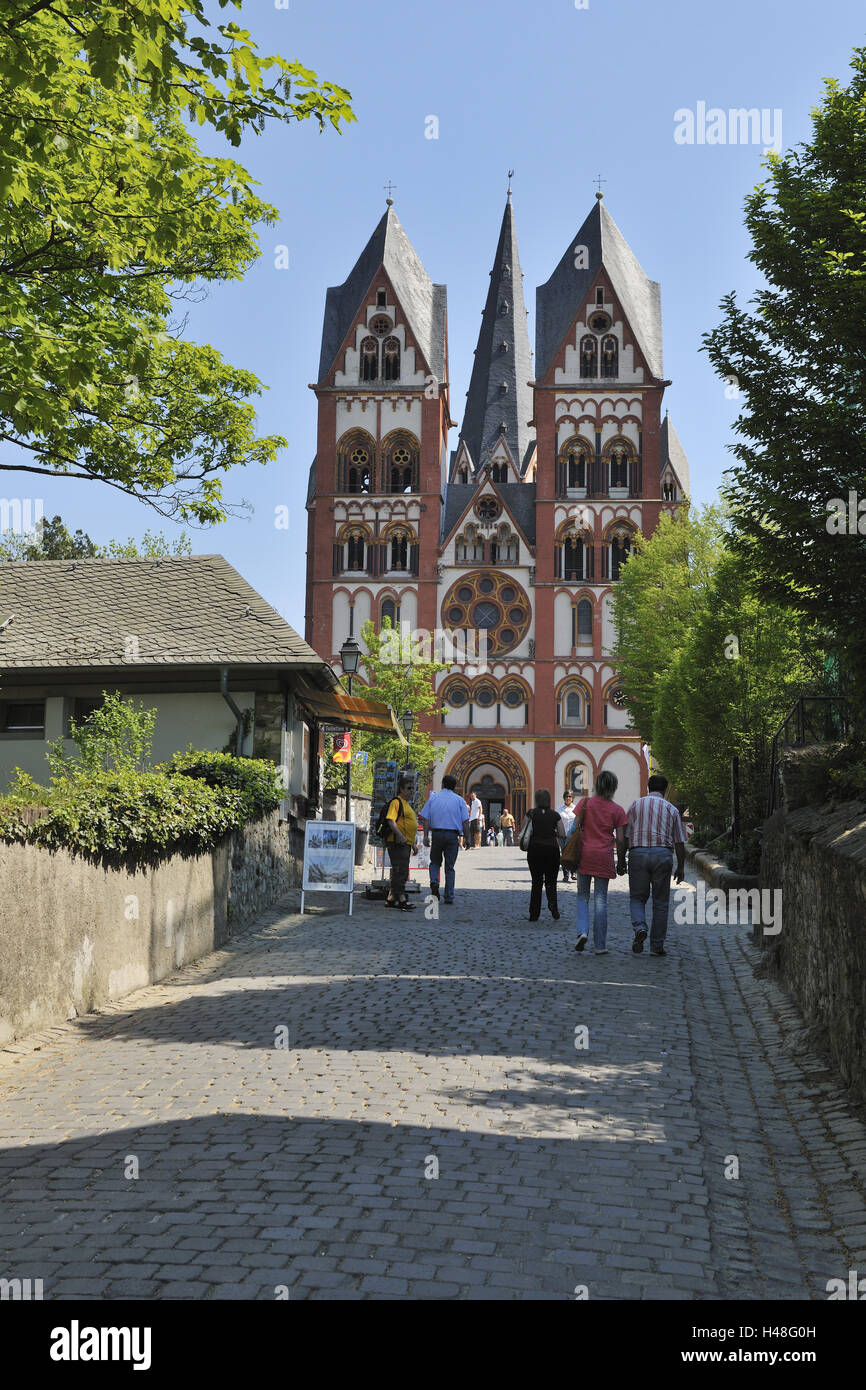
<point x="432" y="1129"/>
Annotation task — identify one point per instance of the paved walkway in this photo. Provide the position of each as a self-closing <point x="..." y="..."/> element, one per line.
<point x="432" y="1131"/>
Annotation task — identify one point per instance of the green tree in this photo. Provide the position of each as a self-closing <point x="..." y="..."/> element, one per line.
<point x="399" y="672"/>
<point x="54" y="541"/>
<point x="115" y="737"/>
<point x="109" y="215"/>
<point x="661" y="589"/>
<point x="799" y="358"/>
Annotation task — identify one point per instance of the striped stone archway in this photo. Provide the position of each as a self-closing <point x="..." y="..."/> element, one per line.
<point x="515" y="776"/>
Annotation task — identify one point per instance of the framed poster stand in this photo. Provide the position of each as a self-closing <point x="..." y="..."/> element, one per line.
<point x="386" y="775"/>
<point x="329" y="859"/>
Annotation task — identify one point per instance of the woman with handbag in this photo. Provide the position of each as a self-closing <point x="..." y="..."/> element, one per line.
<point x="540" y="838"/>
<point x="599" y="824"/>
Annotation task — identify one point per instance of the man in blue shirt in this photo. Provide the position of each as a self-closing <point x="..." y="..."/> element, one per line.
<point x="445" y="815"/>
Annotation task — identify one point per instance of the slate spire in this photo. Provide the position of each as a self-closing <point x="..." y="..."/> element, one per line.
<point x="498" y="392"/>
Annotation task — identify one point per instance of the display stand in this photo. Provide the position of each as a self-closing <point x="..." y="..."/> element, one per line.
<point x="329" y="859"/>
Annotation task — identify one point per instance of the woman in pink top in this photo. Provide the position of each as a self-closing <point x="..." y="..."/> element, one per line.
<point x="603" y="822"/>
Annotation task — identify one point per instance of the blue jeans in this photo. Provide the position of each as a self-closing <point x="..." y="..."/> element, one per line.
<point x="599" y="913"/>
<point x="649" y="870"/>
<point x="443" y="843"/>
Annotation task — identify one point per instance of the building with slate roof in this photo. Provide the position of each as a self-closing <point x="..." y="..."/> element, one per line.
<point x="189" y="637"/>
<point x="514" y="539"/>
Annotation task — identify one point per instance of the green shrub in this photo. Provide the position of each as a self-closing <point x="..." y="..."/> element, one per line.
<point x="254" y="778"/>
<point x="117" y="736"/>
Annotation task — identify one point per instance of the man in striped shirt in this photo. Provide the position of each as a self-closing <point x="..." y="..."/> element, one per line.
<point x="653" y="835"/>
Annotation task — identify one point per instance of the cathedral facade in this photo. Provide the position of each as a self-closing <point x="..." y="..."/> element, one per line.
<point x="518" y="532"/>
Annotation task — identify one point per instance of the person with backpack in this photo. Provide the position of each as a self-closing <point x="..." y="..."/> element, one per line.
<point x="400" y="826"/>
<point x="601" y="822"/>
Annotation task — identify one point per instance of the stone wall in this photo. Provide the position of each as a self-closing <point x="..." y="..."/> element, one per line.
<point x="75" y="935"/>
<point x="817" y="856"/>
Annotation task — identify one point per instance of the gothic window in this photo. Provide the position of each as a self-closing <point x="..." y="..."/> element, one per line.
<point x="503" y="550"/>
<point x="488" y="509"/>
<point x="463" y="475"/>
<point x="356" y="550"/>
<point x="391" y="359"/>
<point x="572" y="557"/>
<point x="620" y="549"/>
<point x="485" y="696"/>
<point x="490" y="604"/>
<point x="399" y="550"/>
<point x="619" y="468"/>
<point x="469" y="547"/>
<point x="584" y="622"/>
<point x="609" y="356"/>
<point x="400" y="462"/>
<point x="589" y="357"/>
<point x="669" y="490"/>
<point x="499" y="472"/>
<point x="369" y="360"/>
<point x="574" y="707"/>
<point x="456" y="695"/>
<point x="576" y="470"/>
<point x="355" y="453"/>
<point x="389" y="610"/>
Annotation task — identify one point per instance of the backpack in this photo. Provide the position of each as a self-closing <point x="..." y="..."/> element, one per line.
<point x="379" y="828"/>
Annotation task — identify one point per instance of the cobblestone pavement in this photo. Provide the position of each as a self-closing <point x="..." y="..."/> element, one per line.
<point x="418" y="1047"/>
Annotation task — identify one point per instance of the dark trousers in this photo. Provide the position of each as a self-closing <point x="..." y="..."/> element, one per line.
<point x="544" y="867"/>
<point x="444" y="844"/>
<point x="649" y="871"/>
<point x="399" y="856"/>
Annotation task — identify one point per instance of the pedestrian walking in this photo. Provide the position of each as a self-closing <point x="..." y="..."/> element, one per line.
<point x="475" y="813"/>
<point x="653" y="836"/>
<point x="445" y="818"/>
<point x="506" y="824"/>
<point x="602" y="823"/>
<point x="566" y="811"/>
<point x="401" y="827"/>
<point x="541" y="835"/>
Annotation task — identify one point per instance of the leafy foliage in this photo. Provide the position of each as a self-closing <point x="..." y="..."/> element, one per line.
<point x="109" y="213"/>
<point x="54" y="541"/>
<point x="117" y="736"/>
<point x="255" y="779"/>
<point x="799" y="357"/>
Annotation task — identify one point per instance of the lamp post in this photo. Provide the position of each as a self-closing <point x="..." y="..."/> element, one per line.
<point x="407" y="719"/>
<point x="350" y="655"/>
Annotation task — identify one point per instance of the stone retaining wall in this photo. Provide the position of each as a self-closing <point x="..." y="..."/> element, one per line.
<point x="817" y="856"/>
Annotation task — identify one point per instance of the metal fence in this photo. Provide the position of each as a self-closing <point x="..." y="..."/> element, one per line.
<point x="812" y="719"/>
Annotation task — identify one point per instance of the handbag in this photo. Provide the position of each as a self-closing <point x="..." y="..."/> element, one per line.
<point x="574" y="844"/>
<point x="525" y="836"/>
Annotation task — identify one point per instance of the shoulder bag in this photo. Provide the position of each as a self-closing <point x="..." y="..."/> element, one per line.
<point x="574" y="844"/>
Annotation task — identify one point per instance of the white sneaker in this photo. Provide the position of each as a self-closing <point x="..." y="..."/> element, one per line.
<point x="581" y="941"/>
<point x="601" y="951"/>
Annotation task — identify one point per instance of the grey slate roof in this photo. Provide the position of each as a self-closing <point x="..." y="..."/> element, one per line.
<point x="558" y="301"/>
<point x="674" y="453"/>
<point x="184" y="611"/>
<point x="423" y="303"/>
<point x="498" y="392"/>
<point x="519" y="498"/>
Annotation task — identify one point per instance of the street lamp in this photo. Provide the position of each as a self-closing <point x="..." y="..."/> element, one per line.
<point x="350" y="655"/>
<point x="407" y="719"/>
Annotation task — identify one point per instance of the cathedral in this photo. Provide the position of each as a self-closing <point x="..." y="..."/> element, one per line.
<point x="520" y="531"/>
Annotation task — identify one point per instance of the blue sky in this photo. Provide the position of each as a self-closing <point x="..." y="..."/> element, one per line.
<point x="561" y="95"/>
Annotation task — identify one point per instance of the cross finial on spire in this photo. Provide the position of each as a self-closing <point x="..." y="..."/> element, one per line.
<point x="600" y="181"/>
<point x="389" y="189"/>
<point x="510" y="177"/>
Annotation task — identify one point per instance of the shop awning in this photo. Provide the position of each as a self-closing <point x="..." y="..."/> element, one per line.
<point x="349" y="711"/>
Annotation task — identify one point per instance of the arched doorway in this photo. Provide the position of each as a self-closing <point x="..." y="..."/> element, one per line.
<point x="496" y="773"/>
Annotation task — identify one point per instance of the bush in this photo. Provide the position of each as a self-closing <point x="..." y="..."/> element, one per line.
<point x="186" y="806"/>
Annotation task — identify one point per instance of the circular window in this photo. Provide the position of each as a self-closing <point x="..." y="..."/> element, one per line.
<point x="401" y="457"/>
<point x="485" y="696"/>
<point x="485" y="615"/>
<point x="513" y="696"/>
<point x="478" y="601"/>
<point x="488" y="508"/>
<point x="456" y="696"/>
<point x="380" y="326"/>
<point x="599" y="322"/>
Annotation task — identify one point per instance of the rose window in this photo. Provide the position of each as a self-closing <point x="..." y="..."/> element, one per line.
<point x="489" y="602"/>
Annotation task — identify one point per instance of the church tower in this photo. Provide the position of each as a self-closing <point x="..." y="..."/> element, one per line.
<point x="376" y="484"/>
<point x="607" y="468"/>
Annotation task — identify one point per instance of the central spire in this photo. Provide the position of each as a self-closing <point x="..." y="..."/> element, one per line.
<point x="499" y="400"/>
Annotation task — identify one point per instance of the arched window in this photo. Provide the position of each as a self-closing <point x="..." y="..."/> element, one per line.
<point x="356" y="550"/>
<point x="584" y="622"/>
<point x="463" y="475"/>
<point x="391" y="359"/>
<point x="499" y="472"/>
<point x="573" y="557"/>
<point x="620" y="549"/>
<point x="469" y="549"/>
<point x="589" y="356"/>
<point x="609" y="356"/>
<point x="355" y="460"/>
<point x="400" y="460"/>
<point x="619" y="467"/>
<point x="369" y="360"/>
<point x="576" y="475"/>
<point x="504" y="549"/>
<point x="669" y="490"/>
<point x="389" y="610"/>
<point x="399" y="550"/>
<point x="574" y="707"/>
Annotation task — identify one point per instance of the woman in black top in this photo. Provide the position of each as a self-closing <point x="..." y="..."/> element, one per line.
<point x="548" y="833"/>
